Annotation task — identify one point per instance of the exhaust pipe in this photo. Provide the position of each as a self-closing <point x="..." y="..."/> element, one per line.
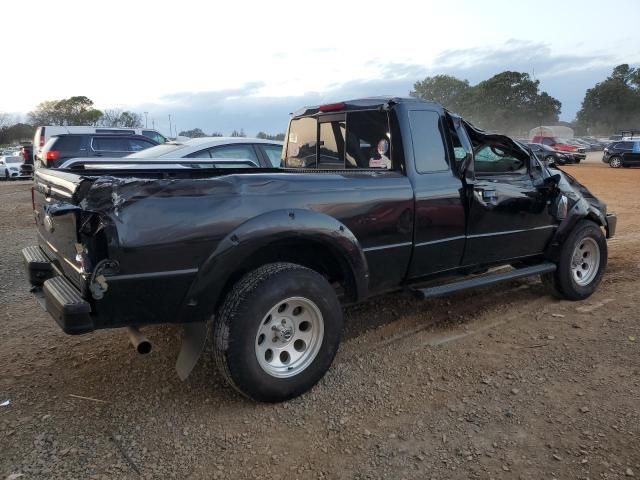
<point x="141" y="343"/>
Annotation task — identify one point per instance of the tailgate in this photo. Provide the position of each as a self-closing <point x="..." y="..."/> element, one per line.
<point x="56" y="210"/>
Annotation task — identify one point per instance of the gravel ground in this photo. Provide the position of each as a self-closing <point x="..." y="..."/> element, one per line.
<point x="502" y="382"/>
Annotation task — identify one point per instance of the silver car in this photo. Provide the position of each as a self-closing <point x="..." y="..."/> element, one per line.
<point x="264" y="153"/>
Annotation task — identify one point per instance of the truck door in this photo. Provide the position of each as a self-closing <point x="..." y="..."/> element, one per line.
<point x="439" y="228"/>
<point x="508" y="216"/>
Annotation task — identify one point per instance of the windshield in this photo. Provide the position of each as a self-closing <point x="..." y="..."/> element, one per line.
<point x="166" y="149"/>
<point x="13" y="159"/>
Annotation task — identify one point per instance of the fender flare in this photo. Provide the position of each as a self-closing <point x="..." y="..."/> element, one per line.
<point x="580" y="210"/>
<point x="247" y="239"/>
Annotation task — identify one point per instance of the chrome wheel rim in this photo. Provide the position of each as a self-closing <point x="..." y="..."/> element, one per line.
<point x="615" y="162"/>
<point x="289" y="337"/>
<point x="585" y="261"/>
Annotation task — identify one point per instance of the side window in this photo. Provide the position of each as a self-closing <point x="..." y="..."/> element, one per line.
<point x="274" y="153"/>
<point x="137" y="144"/>
<point x="155" y="136"/>
<point x="428" y="147"/>
<point x="109" y="144"/>
<point x="331" y="151"/>
<point x="490" y="159"/>
<point x="68" y="144"/>
<point x="547" y="141"/>
<point x="235" y="152"/>
<point x="301" y="145"/>
<point x="200" y="154"/>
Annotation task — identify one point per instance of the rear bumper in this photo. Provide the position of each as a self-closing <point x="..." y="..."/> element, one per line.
<point x="612" y="222"/>
<point x="62" y="300"/>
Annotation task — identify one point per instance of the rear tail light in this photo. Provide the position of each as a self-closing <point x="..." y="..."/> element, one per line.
<point x="51" y="156"/>
<point x="42" y="137"/>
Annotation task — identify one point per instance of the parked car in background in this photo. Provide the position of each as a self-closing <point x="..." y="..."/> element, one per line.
<point x="26" y="152"/>
<point x="10" y="167"/>
<point x="63" y="147"/>
<point x="622" y="154"/>
<point x="549" y="155"/>
<point x="264" y="153"/>
<point x="558" y="144"/>
<point x="44" y="133"/>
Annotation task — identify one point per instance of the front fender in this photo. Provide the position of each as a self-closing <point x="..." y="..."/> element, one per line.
<point x="580" y="210"/>
<point x="262" y="231"/>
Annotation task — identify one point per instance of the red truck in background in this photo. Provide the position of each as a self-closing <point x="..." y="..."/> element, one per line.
<point x="557" y="144"/>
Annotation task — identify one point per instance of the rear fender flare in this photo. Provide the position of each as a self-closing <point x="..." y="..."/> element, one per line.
<point x="264" y="230"/>
<point x="247" y="239"/>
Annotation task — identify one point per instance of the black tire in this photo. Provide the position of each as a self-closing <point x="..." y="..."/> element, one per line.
<point x="615" y="162"/>
<point x="562" y="282"/>
<point x="235" y="328"/>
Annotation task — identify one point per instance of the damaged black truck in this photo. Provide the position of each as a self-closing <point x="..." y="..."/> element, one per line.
<point x="373" y="195"/>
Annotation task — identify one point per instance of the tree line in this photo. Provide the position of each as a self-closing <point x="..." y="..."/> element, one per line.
<point x="509" y="102"/>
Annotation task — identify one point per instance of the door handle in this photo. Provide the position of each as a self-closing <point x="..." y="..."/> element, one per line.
<point x="489" y="194"/>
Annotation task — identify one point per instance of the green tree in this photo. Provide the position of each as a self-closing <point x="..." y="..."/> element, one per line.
<point x="16" y="133"/>
<point x="131" y="120"/>
<point x="76" y="110"/>
<point x="448" y="91"/>
<point x="612" y="105"/>
<point x="194" y="133"/>
<point x="511" y="102"/>
<point x="117" y="118"/>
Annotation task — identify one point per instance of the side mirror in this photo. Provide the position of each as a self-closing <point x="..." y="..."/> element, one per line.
<point x="549" y="183"/>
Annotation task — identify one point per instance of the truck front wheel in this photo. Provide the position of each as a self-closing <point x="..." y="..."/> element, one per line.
<point x="583" y="260"/>
<point x="277" y="332"/>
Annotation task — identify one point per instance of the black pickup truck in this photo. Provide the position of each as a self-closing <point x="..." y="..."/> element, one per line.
<point x="373" y="195"/>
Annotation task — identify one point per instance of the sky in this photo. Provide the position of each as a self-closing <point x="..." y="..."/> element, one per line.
<point x="247" y="64"/>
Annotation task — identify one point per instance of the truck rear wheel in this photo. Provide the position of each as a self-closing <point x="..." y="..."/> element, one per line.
<point x="583" y="260"/>
<point x="277" y="332"/>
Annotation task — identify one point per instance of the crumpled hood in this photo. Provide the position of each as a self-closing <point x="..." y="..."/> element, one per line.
<point x="572" y="187"/>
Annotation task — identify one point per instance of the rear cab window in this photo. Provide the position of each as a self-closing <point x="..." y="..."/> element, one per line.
<point x="345" y="140"/>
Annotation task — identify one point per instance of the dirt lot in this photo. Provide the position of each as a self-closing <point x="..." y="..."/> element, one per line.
<point x="505" y="382"/>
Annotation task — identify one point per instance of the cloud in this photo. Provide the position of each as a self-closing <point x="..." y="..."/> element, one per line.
<point x="564" y="76"/>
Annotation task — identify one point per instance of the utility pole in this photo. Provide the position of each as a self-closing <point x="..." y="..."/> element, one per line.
<point x="146" y="120"/>
<point x="170" y="125"/>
